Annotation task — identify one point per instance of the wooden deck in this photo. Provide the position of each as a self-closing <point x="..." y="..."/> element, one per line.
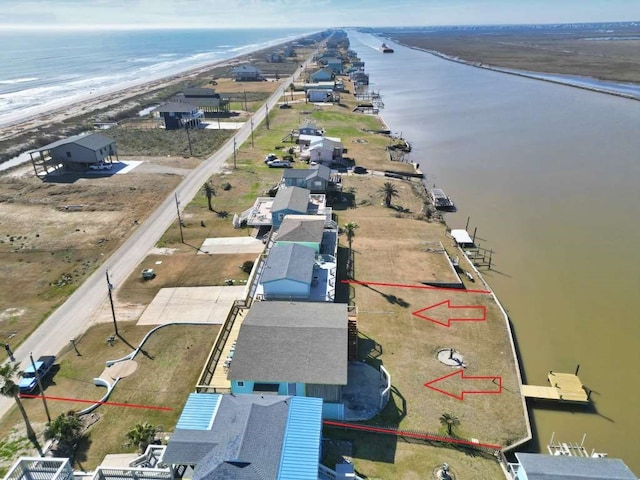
<point x="219" y="379"/>
<point x="565" y="387"/>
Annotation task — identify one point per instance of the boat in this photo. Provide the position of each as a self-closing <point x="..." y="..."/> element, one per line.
<point x="441" y="201"/>
<point x="384" y="48"/>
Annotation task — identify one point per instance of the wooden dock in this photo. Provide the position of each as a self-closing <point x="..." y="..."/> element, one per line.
<point x="564" y="387"/>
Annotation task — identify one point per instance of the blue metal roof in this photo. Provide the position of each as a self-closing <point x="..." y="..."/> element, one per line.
<point x="301" y="448"/>
<point x="199" y="411"/>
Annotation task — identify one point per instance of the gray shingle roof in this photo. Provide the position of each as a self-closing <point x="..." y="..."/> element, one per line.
<point x="244" y="442"/>
<point x="295" y="199"/>
<point x="550" y="467"/>
<point x="289" y="261"/>
<point x="320" y="171"/>
<point x="176" y="107"/>
<point x="292" y="342"/>
<point x="199" y="92"/>
<point x="92" y="141"/>
<point x="301" y="228"/>
<point x="246" y="69"/>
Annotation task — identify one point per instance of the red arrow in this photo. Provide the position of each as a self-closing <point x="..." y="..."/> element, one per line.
<point x="449" y="312"/>
<point x="441" y="387"/>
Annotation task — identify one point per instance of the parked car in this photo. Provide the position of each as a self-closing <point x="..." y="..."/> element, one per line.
<point x="359" y="169"/>
<point x="279" y="164"/>
<point x="270" y="158"/>
<point x="100" y="166"/>
<point x="29" y="382"/>
<point x="148" y="274"/>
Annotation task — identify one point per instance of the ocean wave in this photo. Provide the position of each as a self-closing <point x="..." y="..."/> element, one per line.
<point x="92" y="78"/>
<point x="13" y="81"/>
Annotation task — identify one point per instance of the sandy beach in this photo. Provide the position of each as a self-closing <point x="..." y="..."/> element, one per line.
<point x="18" y="128"/>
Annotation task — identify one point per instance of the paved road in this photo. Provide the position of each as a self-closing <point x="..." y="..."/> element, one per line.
<point x="76" y="315"/>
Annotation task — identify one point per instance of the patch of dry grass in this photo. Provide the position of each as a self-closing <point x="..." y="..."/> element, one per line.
<point x="164" y="377"/>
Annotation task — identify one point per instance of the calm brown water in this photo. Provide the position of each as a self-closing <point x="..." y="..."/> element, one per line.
<point x="550" y="175"/>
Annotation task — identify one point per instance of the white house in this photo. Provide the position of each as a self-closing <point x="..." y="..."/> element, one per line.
<point x="325" y="150"/>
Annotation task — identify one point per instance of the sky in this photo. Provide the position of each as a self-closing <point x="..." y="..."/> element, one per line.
<point x="107" y="14"/>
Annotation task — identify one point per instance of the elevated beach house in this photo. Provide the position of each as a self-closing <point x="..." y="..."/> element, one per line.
<point x="246" y="437"/>
<point x="271" y="211"/>
<point x="175" y="115"/>
<point x="334" y="63"/>
<point x="76" y="153"/>
<point x="293" y="348"/>
<point x="245" y="73"/>
<point x="287" y="201"/>
<point x="288" y="272"/>
<point x="310" y="128"/>
<point x="322" y="150"/>
<point x="316" y="180"/>
<point x="206" y="99"/>
<point x="302" y="263"/>
<point x="325" y="74"/>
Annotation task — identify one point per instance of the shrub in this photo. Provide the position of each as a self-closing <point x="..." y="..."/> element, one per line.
<point x="247" y="266"/>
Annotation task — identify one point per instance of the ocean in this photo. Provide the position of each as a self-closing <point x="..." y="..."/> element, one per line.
<point x="42" y="70"/>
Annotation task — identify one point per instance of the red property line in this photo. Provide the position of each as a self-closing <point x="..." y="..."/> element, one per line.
<point x="424" y="287"/>
<point x="400" y="433"/>
<point x="112" y="404"/>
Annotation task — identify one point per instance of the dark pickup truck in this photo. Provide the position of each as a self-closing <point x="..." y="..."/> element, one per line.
<point x="28" y="383"/>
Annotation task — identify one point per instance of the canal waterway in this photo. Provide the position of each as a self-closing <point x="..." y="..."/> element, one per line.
<point x="550" y="176"/>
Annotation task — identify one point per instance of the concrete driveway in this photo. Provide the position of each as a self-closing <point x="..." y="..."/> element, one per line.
<point x="191" y="305"/>
<point x="231" y="245"/>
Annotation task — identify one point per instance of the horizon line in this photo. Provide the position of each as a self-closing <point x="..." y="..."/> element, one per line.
<point x="129" y="27"/>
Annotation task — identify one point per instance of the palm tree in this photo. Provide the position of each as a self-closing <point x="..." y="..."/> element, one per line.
<point x="388" y="192"/>
<point x="9" y="388"/>
<point x="450" y="422"/>
<point x="66" y="428"/>
<point x="209" y="192"/>
<point x="142" y="434"/>
<point x="350" y="230"/>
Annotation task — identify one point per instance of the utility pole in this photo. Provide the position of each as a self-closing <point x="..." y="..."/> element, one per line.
<point x="44" y="400"/>
<point x="251" y="132"/>
<point x="113" y="310"/>
<point x="245" y="100"/>
<point x="266" y="109"/>
<point x="234" y="152"/>
<point x="186" y="127"/>
<point x="179" y="219"/>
